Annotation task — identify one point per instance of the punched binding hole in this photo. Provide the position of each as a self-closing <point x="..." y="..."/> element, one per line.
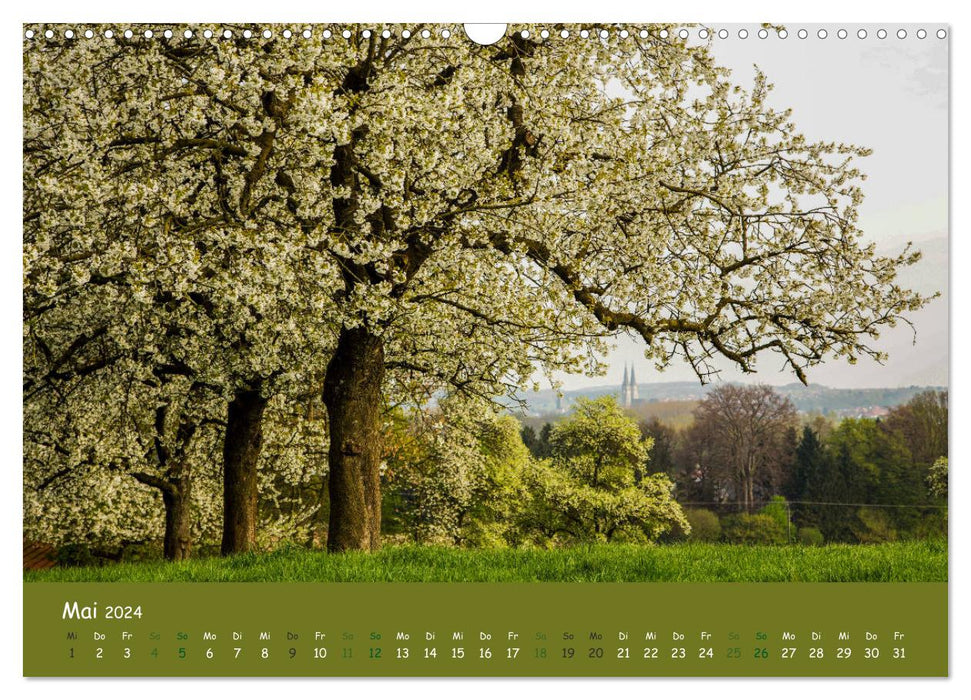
<point x="485" y="34"/>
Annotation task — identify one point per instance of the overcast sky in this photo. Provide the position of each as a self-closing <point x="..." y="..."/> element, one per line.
<point x="890" y="95"/>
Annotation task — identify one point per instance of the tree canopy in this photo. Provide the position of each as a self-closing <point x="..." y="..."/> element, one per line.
<point x="393" y="213"/>
<point x="593" y="486"/>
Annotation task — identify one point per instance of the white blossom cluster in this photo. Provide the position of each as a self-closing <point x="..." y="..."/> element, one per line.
<point x="206" y="213"/>
<point x="458" y="477"/>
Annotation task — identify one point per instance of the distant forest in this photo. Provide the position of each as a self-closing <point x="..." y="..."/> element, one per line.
<point x="748" y="467"/>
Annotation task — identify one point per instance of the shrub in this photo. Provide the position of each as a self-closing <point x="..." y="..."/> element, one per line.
<point x="778" y="510"/>
<point x="76" y="554"/>
<point x="705" y="526"/>
<point x="753" y="529"/>
<point x="932" y="527"/>
<point x="810" y="536"/>
<point x="874" y="526"/>
<point x="141" y="551"/>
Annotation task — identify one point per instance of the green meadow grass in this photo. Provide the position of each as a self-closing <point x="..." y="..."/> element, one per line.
<point x="901" y="561"/>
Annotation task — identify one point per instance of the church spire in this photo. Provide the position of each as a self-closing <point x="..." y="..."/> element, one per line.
<point x="625" y="389"/>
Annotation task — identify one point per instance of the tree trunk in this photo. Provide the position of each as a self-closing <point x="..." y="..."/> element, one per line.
<point x="241" y="453"/>
<point x="176" y="496"/>
<point x="352" y="394"/>
<point x="178" y="523"/>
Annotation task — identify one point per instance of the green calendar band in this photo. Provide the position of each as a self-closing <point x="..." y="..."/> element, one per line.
<point x="485" y="629"/>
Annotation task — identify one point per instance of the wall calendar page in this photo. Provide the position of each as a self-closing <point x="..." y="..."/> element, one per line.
<point x="520" y="350"/>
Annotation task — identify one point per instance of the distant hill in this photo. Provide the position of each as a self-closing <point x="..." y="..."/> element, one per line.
<point x="678" y="398"/>
<point x="675" y="414"/>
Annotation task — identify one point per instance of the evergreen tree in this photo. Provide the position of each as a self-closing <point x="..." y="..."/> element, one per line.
<point x="807" y="472"/>
<point x="665" y="442"/>
<point x="528" y="434"/>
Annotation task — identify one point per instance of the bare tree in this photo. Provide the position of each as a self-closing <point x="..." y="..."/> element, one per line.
<point x="744" y="432"/>
<point x="923" y="423"/>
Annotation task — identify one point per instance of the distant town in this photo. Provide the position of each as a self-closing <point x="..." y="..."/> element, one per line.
<point x="811" y="399"/>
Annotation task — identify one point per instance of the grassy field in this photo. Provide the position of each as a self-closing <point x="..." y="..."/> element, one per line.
<point x="904" y="561"/>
